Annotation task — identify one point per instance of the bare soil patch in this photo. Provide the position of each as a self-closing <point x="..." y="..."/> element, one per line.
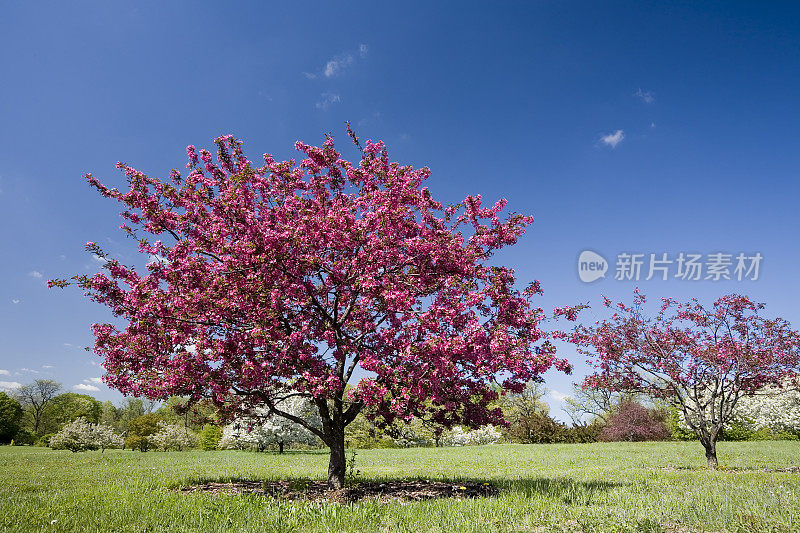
<point x="384" y="492"/>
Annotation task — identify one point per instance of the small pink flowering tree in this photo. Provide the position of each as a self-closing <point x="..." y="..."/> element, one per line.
<point x="702" y="360"/>
<point x="285" y="279"/>
<point x="631" y="421"/>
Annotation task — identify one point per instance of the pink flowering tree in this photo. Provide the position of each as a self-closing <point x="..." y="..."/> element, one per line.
<point x="345" y="284"/>
<point x="631" y="421"/>
<point x="702" y="360"/>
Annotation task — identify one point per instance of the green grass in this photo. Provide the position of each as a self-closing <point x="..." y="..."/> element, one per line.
<point x="570" y="487"/>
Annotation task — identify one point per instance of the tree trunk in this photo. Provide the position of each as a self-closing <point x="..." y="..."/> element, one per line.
<point x="280" y="447"/>
<point x="711" y="454"/>
<point x="338" y="462"/>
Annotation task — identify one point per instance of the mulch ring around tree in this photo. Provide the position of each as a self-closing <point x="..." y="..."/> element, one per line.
<point x="318" y="491"/>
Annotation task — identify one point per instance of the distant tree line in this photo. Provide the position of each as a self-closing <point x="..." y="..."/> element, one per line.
<point x="41" y="414"/>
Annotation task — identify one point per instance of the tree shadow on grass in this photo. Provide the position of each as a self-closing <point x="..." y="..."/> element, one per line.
<point x="568" y="490"/>
<point x="318" y="490"/>
<point x="290" y="452"/>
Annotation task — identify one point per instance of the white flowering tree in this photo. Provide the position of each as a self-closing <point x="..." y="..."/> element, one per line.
<point x="106" y="437"/>
<point x="173" y="437"/>
<point x="80" y="435"/>
<point x="263" y="430"/>
<point x="772" y="410"/>
<point x="458" y="436"/>
<point x="776" y="409"/>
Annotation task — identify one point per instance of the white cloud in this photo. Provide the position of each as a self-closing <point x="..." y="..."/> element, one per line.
<point x="653" y="125"/>
<point x="613" y="139"/>
<point x="14" y="301"/>
<point x="99" y="381"/>
<point x="337" y="65"/>
<point x="35" y="274"/>
<point x="67" y="345"/>
<point x="646" y="96"/>
<point x="84" y="386"/>
<point x="556" y="395"/>
<point x="99" y="259"/>
<point x="29" y="370"/>
<point x="47" y="366"/>
<point x="9" y="385"/>
<point x="4" y="372"/>
<point x="328" y="99"/>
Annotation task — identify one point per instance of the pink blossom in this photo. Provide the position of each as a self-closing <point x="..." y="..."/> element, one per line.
<point x="290" y="277"/>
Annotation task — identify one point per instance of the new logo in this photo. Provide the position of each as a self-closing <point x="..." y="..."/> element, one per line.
<point x="591" y="266"/>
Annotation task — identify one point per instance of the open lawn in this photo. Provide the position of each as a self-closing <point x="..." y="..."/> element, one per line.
<point x="570" y="487"/>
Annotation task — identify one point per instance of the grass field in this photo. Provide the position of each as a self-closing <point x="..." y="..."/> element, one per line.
<point x="570" y="487"/>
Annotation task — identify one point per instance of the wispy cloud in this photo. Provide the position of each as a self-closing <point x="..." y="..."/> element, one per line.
<point x="15" y="301"/>
<point x="29" y="370"/>
<point x="99" y="259"/>
<point x="67" y="345"/>
<point x="336" y="65"/>
<point x="98" y="381"/>
<point x="9" y="385"/>
<point x="84" y="386"/>
<point x="556" y="395"/>
<point x="645" y="96"/>
<point x="613" y="139"/>
<point x="35" y="274"/>
<point x="328" y="99"/>
<point x="4" y="372"/>
<point x="48" y="367"/>
<point x="372" y="119"/>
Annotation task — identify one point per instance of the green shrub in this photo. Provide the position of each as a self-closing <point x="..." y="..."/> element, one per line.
<point x="209" y="437"/>
<point x="674" y="425"/>
<point x="24" y="438"/>
<point x="743" y="429"/>
<point x="137" y="442"/>
<point x="583" y="433"/>
<point x="139" y="430"/>
<point x="44" y="440"/>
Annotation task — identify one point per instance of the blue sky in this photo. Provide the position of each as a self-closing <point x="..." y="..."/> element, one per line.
<point x="621" y="127"/>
